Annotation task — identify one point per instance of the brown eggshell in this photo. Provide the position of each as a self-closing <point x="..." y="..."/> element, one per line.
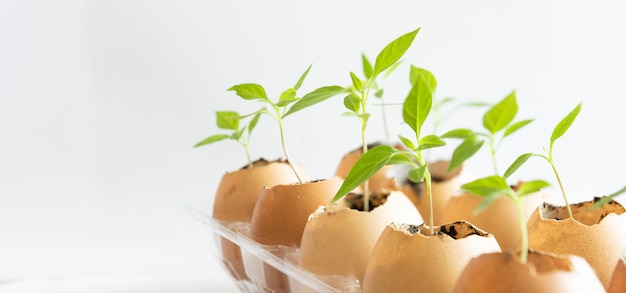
<point x="377" y="182"/>
<point x="338" y="240"/>
<point x="236" y="196"/>
<point x="444" y="186"/>
<point x="618" y="281"/>
<point x="499" y="219"/>
<point x="404" y="259"/>
<point x="542" y="273"/>
<point x="597" y="236"/>
<point x="279" y="217"/>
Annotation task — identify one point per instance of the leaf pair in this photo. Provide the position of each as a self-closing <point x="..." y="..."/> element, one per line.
<point x="497" y="121"/>
<point x="492" y="187"/>
<point x="252" y="91"/>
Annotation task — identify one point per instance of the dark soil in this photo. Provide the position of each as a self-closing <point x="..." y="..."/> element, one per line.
<point x="355" y="200"/>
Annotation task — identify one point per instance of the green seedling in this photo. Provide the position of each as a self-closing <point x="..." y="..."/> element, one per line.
<point x="493" y="187"/>
<point x="558" y="131"/>
<point x="415" y="110"/>
<point x="287" y="104"/>
<point x="358" y="93"/>
<point x="229" y="120"/>
<point x="497" y="121"/>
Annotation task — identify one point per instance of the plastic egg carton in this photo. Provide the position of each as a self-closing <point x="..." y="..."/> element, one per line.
<point x="270" y="268"/>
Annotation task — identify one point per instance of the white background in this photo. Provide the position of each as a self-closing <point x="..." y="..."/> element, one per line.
<point x="102" y="101"/>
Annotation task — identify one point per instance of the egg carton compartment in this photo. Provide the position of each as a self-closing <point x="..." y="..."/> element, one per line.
<point x="267" y="268"/>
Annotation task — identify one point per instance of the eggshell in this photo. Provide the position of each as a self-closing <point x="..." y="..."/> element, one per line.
<point x="618" y="281"/>
<point x="542" y="273"/>
<point x="598" y="236"/>
<point x="404" y="259"/>
<point x="338" y="240"/>
<point x="279" y="217"/>
<point x="444" y="186"/>
<point x="236" y="196"/>
<point x="499" y="219"/>
<point x="377" y="182"/>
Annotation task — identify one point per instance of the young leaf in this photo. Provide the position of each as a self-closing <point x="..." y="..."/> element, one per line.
<point x="287" y="97"/>
<point x="253" y="122"/>
<point x="352" y="103"/>
<point x="379" y="93"/>
<point x="516" y="164"/>
<point x="501" y="114"/>
<point x="516" y="126"/>
<point x="250" y="91"/>
<point x="367" y="66"/>
<point x="417" y="174"/>
<point x="393" y="52"/>
<point x="464" y="151"/>
<point x="228" y="120"/>
<point x="302" y="77"/>
<point x="314" y="97"/>
<point x="529" y="187"/>
<point x="418" y="103"/>
<point x="367" y="165"/>
<point x="487" y="186"/>
<point x="430" y="141"/>
<point x="486" y="202"/>
<point x="407" y="142"/>
<point x="564" y="125"/>
<point x="356" y="82"/>
<point x="417" y="73"/>
<point x="400" y="158"/>
<point x="212" y="139"/>
<point x="462" y="133"/>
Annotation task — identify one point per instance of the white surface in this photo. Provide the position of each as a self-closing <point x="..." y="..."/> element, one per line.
<point x="101" y="101"/>
<point x="128" y="284"/>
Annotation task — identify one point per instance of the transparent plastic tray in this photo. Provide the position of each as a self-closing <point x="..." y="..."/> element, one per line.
<point x="270" y="268"/>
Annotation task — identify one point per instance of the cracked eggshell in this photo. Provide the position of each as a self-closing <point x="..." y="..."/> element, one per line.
<point x="444" y="186"/>
<point x="597" y="236"/>
<point x="339" y="240"/>
<point x="236" y="196"/>
<point x="542" y="273"/>
<point x="618" y="281"/>
<point x="499" y="219"/>
<point x="404" y="259"/>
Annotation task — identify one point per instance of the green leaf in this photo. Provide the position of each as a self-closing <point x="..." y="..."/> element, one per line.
<point x="379" y="93"/>
<point x="367" y="165"/>
<point x="302" y="77"/>
<point x="462" y="133"/>
<point x="393" y="52"/>
<point x="430" y="141"/>
<point x="486" y="202"/>
<point x="516" y="126"/>
<point x="531" y="186"/>
<point x="349" y="114"/>
<point x="501" y="114"/>
<point x="400" y="158"/>
<point x="418" y="103"/>
<point x="607" y="199"/>
<point x="228" y="120"/>
<point x="417" y="174"/>
<point x="487" y="186"/>
<point x="367" y="66"/>
<point x="356" y="82"/>
<point x="352" y="102"/>
<point x="464" y="151"/>
<point x="287" y="97"/>
<point x="237" y="134"/>
<point x="418" y="73"/>
<point x="211" y="139"/>
<point x="564" y="125"/>
<point x="407" y="142"/>
<point x="314" y="97"/>
<point x="516" y="164"/>
<point x="253" y="122"/>
<point x="250" y="91"/>
<point x="392" y="68"/>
